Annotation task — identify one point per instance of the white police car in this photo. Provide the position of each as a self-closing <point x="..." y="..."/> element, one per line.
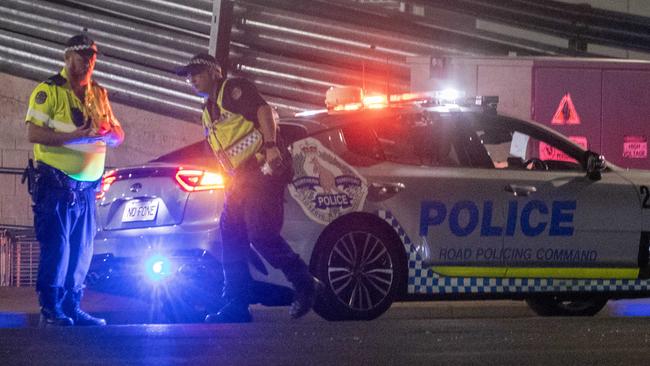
<point x="406" y="197"/>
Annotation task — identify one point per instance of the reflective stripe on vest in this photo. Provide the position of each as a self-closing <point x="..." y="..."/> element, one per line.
<point x="233" y="138"/>
<point x="54" y="105"/>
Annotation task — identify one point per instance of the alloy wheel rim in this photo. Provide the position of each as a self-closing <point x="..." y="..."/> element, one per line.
<point x="360" y="270"/>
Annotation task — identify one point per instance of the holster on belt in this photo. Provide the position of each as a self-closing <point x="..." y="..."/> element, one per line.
<point x="30" y="175"/>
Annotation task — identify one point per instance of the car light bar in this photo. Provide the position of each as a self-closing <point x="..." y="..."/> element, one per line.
<point x="350" y="98"/>
<point x="199" y="180"/>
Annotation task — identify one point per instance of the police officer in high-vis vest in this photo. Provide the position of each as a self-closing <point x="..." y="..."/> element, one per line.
<point x="242" y="132"/>
<point x="70" y="123"/>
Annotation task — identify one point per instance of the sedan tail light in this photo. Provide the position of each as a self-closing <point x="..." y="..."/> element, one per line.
<point x="107" y="179"/>
<point x="199" y="180"/>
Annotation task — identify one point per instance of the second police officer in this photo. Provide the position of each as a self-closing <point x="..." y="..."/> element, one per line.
<point x="242" y="132"/>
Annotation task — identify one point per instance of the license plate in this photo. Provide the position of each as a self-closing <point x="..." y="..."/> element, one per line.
<point x="140" y="210"/>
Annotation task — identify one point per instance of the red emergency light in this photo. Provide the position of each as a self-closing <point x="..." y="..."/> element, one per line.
<point x="351" y="98"/>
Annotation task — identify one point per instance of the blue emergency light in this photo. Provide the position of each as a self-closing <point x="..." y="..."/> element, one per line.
<point x="157" y="267"/>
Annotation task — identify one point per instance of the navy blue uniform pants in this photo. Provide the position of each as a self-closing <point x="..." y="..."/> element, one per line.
<point x="64" y="221"/>
<point x="253" y="213"/>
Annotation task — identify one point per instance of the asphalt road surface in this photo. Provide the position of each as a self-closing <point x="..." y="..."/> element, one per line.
<point x="494" y="333"/>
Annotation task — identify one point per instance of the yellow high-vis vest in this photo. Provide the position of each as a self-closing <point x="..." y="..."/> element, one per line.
<point x="233" y="138"/>
<point x="54" y="105"/>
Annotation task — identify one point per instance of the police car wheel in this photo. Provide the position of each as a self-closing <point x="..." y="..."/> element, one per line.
<point x="362" y="264"/>
<point x="551" y="305"/>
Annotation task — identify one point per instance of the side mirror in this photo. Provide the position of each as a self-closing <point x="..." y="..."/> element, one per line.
<point x="596" y="164"/>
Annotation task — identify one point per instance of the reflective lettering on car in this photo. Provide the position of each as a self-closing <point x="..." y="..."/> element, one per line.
<point x="520" y="255"/>
<point x="527" y="227"/>
<point x="324" y="201"/>
<point x="566" y="255"/>
<point x="455" y="214"/>
<point x="533" y="218"/>
<point x="455" y="254"/>
<point x="486" y="228"/>
<point x="562" y="213"/>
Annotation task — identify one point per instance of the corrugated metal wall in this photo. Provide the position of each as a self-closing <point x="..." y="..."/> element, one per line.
<point x="137" y="56"/>
<point x="292" y="50"/>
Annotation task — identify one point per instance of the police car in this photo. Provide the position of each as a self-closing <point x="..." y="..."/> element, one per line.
<point x="397" y="197"/>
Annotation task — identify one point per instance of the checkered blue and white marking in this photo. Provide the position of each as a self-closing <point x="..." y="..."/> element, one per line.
<point x="422" y="280"/>
<point x="246" y="142"/>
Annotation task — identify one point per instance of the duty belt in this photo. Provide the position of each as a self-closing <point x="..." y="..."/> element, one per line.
<point x="58" y="179"/>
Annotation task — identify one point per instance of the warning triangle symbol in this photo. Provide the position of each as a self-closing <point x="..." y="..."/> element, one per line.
<point x="566" y="112"/>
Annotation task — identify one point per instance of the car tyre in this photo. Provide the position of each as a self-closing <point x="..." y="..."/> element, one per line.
<point x="552" y="305"/>
<point x="362" y="264"/>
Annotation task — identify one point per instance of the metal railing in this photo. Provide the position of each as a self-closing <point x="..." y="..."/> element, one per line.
<point x="19" y="258"/>
<point x="19" y="250"/>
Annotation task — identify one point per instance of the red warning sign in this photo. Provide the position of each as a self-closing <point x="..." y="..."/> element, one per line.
<point x="548" y="152"/>
<point x="635" y="147"/>
<point x="566" y="112"/>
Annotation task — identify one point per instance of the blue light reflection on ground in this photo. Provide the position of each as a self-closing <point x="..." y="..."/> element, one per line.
<point x="629" y="308"/>
<point x="13" y="320"/>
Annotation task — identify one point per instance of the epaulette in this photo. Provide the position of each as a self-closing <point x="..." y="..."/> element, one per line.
<point x="57" y="80"/>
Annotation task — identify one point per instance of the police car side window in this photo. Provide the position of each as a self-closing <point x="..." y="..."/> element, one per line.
<point x="291" y="133"/>
<point x="397" y="137"/>
<point x="423" y="138"/>
<point x="354" y="144"/>
<point x="555" y="157"/>
<point x="417" y="139"/>
<point x="362" y="147"/>
<point x="513" y="148"/>
<point x="497" y="143"/>
<point x="411" y="138"/>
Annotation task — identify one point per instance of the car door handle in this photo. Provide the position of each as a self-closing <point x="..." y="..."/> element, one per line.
<point x="518" y="190"/>
<point x="382" y="191"/>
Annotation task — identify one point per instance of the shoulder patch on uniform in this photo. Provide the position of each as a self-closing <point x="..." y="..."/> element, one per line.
<point x="235" y="93"/>
<point x="57" y="80"/>
<point x="41" y="97"/>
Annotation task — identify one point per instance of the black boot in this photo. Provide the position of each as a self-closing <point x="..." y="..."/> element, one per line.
<point x="233" y="312"/>
<point x="51" y="313"/>
<point x="235" y="295"/>
<point x="71" y="308"/>
<point x="305" y="285"/>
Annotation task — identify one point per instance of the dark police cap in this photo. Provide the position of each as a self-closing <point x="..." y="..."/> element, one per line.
<point x="199" y="63"/>
<point x="82" y="44"/>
